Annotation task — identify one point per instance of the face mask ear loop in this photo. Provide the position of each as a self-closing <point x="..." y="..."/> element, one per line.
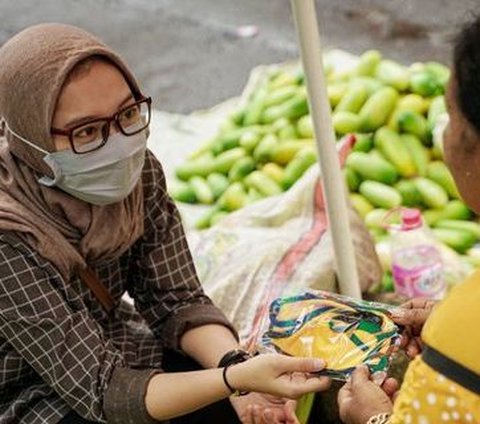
<point x="45" y="180"/>
<point x="24" y="139"/>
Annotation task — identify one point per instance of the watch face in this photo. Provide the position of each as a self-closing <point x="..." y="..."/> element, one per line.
<point x="234" y="357"/>
<point x="344" y="332"/>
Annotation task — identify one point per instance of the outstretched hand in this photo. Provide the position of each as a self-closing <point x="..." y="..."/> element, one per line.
<point x="360" y="398"/>
<point x="413" y="315"/>
<point x="278" y="375"/>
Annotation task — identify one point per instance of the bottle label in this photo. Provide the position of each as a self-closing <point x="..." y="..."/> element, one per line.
<point x="421" y="280"/>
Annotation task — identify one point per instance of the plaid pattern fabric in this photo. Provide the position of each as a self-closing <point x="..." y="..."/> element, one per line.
<point x="59" y="350"/>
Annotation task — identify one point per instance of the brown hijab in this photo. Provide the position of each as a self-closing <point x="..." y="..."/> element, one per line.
<point x="65" y="230"/>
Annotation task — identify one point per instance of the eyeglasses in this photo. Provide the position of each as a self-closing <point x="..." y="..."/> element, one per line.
<point x="92" y="135"/>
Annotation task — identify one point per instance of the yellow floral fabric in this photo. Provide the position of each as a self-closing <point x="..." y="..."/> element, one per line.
<point x="428" y="397"/>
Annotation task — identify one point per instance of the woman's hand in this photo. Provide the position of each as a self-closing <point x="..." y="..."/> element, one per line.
<point x="360" y="398"/>
<point x="279" y="375"/>
<point x="259" y="408"/>
<point x="413" y="315"/>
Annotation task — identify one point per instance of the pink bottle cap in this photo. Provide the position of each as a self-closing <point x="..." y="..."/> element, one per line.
<point x="411" y="219"/>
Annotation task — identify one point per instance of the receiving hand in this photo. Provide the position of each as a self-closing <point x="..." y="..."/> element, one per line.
<point x="413" y="315"/>
<point x="259" y="408"/>
<point x="360" y="398"/>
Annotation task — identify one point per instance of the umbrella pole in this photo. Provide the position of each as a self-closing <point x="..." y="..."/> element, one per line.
<point x="334" y="186"/>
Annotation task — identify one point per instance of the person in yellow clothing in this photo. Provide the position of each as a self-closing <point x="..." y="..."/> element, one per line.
<point x="442" y="383"/>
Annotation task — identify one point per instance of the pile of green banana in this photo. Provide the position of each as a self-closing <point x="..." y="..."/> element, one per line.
<point x="264" y="147"/>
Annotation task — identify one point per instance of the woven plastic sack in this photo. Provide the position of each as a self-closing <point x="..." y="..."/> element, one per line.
<point x="274" y="246"/>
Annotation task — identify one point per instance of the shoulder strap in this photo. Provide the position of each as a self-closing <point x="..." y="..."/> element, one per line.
<point x="87" y="275"/>
<point x="451" y="369"/>
<point x="91" y="280"/>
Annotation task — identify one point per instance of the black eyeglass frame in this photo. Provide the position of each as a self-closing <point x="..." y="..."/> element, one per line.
<point x="106" y="132"/>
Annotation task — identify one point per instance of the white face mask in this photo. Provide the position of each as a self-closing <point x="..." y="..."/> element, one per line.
<point x="102" y="176"/>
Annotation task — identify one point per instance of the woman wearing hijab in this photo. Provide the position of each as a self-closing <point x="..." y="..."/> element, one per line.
<point x="84" y="219"/>
<point x="442" y="384"/>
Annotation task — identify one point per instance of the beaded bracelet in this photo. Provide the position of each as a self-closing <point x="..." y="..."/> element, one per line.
<point x="379" y="419"/>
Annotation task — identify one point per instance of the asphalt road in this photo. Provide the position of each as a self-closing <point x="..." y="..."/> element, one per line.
<point x="187" y="53"/>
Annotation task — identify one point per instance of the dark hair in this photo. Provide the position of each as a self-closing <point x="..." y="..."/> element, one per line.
<point x="466" y="59"/>
<point x="83" y="67"/>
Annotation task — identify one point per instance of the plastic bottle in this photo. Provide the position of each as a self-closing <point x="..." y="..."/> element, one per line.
<point x="417" y="265"/>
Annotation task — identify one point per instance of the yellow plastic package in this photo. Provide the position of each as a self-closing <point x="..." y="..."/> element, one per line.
<point x="345" y="332"/>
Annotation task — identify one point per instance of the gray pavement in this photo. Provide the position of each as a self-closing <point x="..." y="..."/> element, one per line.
<point x="186" y="52"/>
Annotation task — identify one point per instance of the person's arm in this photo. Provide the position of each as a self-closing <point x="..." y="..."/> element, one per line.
<point x="166" y="290"/>
<point x="208" y="354"/>
<point x="172" y="395"/>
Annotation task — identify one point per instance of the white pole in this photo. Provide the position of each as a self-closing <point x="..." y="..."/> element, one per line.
<point x="337" y="209"/>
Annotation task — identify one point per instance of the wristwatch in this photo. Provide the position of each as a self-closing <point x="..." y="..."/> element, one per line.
<point x="233" y="357"/>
